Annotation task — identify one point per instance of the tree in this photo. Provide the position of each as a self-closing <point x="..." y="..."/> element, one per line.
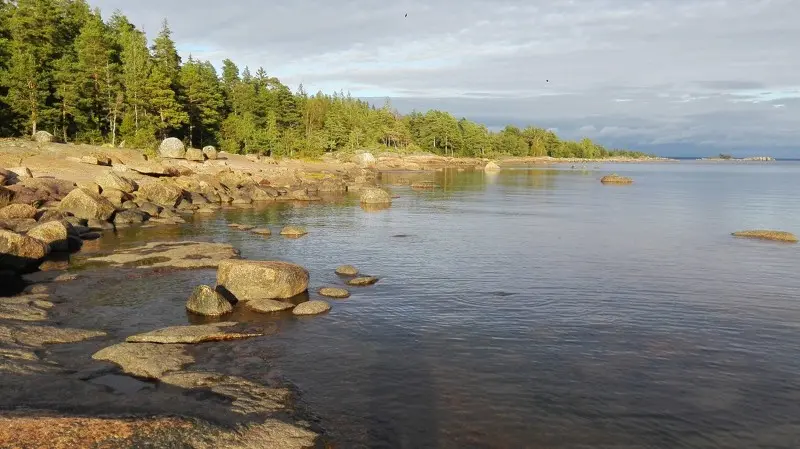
<point x="203" y="99"/>
<point x="163" y="102"/>
<point x="136" y="67"/>
<point x="93" y="48"/>
<point x="67" y="83"/>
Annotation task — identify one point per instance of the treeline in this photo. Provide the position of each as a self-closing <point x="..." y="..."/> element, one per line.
<point x="65" y="70"/>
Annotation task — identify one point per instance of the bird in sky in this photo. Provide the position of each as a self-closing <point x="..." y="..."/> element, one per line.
<point x="406" y="14"/>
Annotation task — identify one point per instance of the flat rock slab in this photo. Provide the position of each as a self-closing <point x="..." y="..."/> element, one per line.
<point x="248" y="397"/>
<point x="186" y="254"/>
<point x="268" y="305"/>
<point x="148" y="360"/>
<point x="363" y="281"/>
<point x="262" y="231"/>
<point x="347" y="270"/>
<point x="311" y="308"/>
<point x="337" y="293"/>
<point x="192" y="334"/>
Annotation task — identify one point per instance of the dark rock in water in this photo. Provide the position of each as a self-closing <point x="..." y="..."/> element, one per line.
<point x="207" y="302"/>
<point x="131" y="216"/>
<point x="10" y="283"/>
<point x="311" y="308"/>
<point x="363" y="281"/>
<point x="247" y="279"/>
<point x="99" y="225"/>
<point x="401" y="236"/>
<point x="20" y="253"/>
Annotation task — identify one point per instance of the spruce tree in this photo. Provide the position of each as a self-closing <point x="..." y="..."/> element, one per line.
<point x="203" y="99"/>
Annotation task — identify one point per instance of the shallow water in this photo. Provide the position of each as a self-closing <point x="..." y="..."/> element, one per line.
<point x="530" y="308"/>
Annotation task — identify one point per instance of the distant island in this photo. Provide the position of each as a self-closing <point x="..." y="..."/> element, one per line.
<point x="728" y="157"/>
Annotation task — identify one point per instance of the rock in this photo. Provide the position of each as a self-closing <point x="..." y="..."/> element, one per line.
<point x="268" y="305"/>
<point x="192" y="334"/>
<point x="293" y="231"/>
<point x="193" y="154"/>
<point x="54" y="233"/>
<point x="50" y="215"/>
<point x="96" y="160"/>
<point x="150" y="209"/>
<point x="148" y="360"/>
<point x="130" y="216"/>
<point x="256" y="193"/>
<point x="331" y="292"/>
<point x="50" y="189"/>
<point x="98" y="225"/>
<point x="162" y="193"/>
<point x="210" y="152"/>
<point x="301" y="195"/>
<point x="374" y="195"/>
<point x="172" y="148"/>
<point x="116" y="197"/>
<point x="362" y="281"/>
<point x="246" y="280"/>
<point x="14" y="211"/>
<point x="114" y="181"/>
<point x="616" y="179"/>
<point x="491" y="167"/>
<point x="185" y="255"/>
<point x="85" y="204"/>
<point x="43" y="137"/>
<point x="261" y="231"/>
<point x="6" y="195"/>
<point x="20" y="253"/>
<point x="152" y="169"/>
<point x="365" y="159"/>
<point x="207" y="302"/>
<point x="90" y="186"/>
<point x="21" y="172"/>
<point x="311" y="308"/>
<point x="20" y="225"/>
<point x="764" y="234"/>
<point x="332" y="186"/>
<point x="347" y="270"/>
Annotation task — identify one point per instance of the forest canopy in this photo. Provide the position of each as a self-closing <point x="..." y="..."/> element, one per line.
<point x="66" y="70"/>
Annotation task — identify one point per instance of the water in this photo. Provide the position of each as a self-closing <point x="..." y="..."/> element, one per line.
<point x="533" y="308"/>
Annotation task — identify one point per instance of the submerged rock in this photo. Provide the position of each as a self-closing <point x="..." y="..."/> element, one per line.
<point x="148" y="360"/>
<point x="293" y="231"/>
<point x="19" y="252"/>
<point x="331" y="292"/>
<point x="85" y="204"/>
<point x="192" y="334"/>
<point x="184" y="255"/>
<point x="363" y="281"/>
<point x="261" y="231"/>
<point x="311" y="308"/>
<point x="347" y="270"/>
<point x="764" y="234"/>
<point x="207" y="302"/>
<point x="268" y="305"/>
<point x="616" y="179"/>
<point x="248" y="280"/>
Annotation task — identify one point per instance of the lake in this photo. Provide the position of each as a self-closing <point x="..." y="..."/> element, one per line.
<point x="533" y="308"/>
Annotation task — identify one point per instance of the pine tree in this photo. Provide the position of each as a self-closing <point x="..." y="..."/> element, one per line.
<point x="68" y="86"/>
<point x="203" y="99"/>
<point x="136" y="66"/>
<point x="163" y="102"/>
<point x="165" y="56"/>
<point x="93" y="48"/>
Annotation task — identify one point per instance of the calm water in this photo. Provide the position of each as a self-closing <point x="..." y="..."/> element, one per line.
<point x="533" y="308"/>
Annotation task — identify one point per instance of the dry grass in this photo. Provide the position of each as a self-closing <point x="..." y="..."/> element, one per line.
<point x="764" y="234"/>
<point x="616" y="179"/>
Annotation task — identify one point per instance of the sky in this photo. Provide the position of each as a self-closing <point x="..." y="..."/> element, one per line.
<point x="675" y="77"/>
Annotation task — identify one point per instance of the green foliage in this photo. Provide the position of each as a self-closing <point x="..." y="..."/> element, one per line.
<point x="63" y="69"/>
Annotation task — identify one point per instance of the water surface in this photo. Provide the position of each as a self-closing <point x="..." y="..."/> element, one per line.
<point x="532" y="308"/>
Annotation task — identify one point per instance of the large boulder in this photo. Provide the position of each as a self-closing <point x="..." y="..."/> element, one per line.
<point x="207" y="302"/>
<point x="375" y="195"/>
<point x="210" y="152"/>
<point x="193" y="154"/>
<point x="130" y="216"/>
<point x="365" y="159"/>
<point x="116" y="197"/>
<point x="43" y="137"/>
<point x="20" y="253"/>
<point x="246" y="280"/>
<point x="14" y="211"/>
<point x="172" y="148"/>
<point x="54" y="233"/>
<point x="114" y="181"/>
<point x="162" y="193"/>
<point x="87" y="205"/>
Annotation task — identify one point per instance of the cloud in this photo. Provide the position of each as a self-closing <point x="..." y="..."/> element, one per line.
<point x="685" y="71"/>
